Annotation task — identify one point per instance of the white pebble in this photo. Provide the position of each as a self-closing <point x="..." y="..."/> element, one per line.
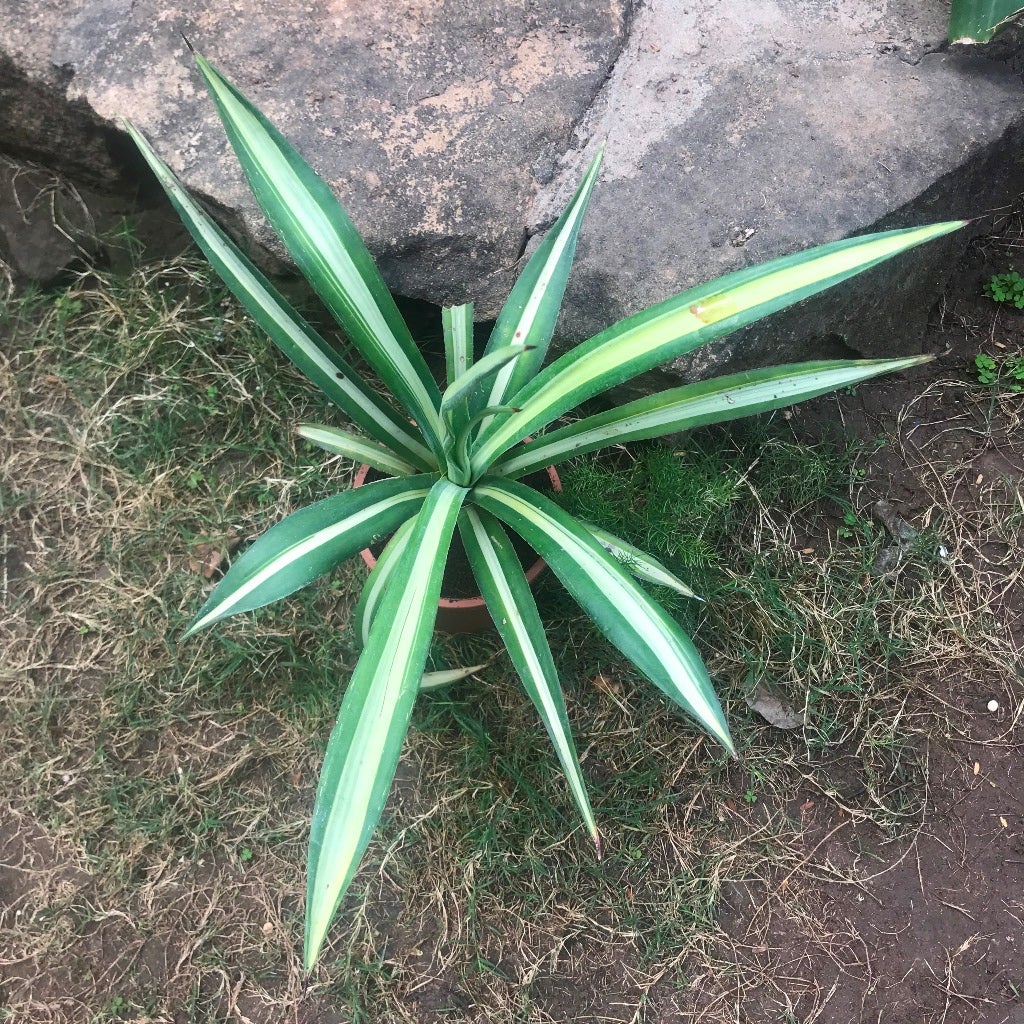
<point x="993" y="705"/>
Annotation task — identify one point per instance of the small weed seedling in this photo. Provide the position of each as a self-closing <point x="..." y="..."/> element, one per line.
<point x="849" y="522"/>
<point x="1006" y="373"/>
<point x="1007" y="287"/>
<point x="986" y="367"/>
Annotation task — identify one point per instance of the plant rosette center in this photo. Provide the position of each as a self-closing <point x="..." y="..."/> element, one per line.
<point x="461" y="607"/>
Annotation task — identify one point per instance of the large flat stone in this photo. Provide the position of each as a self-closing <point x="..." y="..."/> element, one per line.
<point x="738" y="131"/>
<point x="38" y="121"/>
<point x="453" y="130"/>
<point x="433" y="121"/>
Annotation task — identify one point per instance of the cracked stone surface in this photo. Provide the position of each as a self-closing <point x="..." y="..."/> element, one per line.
<point x="737" y="132"/>
<point x="433" y="120"/>
<point x="453" y="130"/>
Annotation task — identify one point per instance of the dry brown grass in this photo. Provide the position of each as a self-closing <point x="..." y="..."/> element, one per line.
<point x="156" y="796"/>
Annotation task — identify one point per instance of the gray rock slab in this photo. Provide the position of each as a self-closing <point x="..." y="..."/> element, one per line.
<point x="39" y="122"/>
<point x="737" y="130"/>
<point x="433" y="121"/>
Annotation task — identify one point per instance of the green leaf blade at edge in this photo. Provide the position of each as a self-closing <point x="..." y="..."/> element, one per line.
<point x="687" y="321"/>
<point x="711" y="401"/>
<point x="977" y="21"/>
<point x="504" y="587"/>
<point x="296" y="339"/>
<point x="530" y="313"/>
<point x="327" y="248"/>
<point x="626" y="615"/>
<point x="366" y="741"/>
<point x="637" y="562"/>
<point x="309" y="543"/>
<point x="358" y="449"/>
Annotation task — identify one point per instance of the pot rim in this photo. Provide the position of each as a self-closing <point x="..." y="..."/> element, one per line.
<point x="461" y="603"/>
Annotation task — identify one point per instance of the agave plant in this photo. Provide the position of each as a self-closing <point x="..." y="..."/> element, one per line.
<point x="453" y="459"/>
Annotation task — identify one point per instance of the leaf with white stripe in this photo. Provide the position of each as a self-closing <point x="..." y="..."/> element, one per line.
<point x="457" y="324"/>
<point x="529" y="315"/>
<point x="627" y="616"/>
<point x="377" y="582"/>
<point x="693" y="405"/>
<point x="475" y="378"/>
<point x="503" y="585"/>
<point x="359" y="449"/>
<point x="311" y="542"/>
<point x="684" y="323"/>
<point x="638" y="563"/>
<point x="364" y="747"/>
<point x="447" y="676"/>
<point x="299" y="342"/>
<point x="373" y="593"/>
<point x="328" y="250"/>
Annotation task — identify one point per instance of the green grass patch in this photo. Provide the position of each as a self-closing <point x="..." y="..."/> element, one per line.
<point x="144" y="415"/>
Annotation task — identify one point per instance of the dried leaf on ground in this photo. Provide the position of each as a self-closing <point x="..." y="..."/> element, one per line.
<point x="902" y="533"/>
<point x="899" y="528"/>
<point x="774" y="710"/>
<point x="207" y="558"/>
<point x="606" y="683"/>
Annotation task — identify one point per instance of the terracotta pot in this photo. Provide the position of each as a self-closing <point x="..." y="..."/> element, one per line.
<point x="463" y="614"/>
